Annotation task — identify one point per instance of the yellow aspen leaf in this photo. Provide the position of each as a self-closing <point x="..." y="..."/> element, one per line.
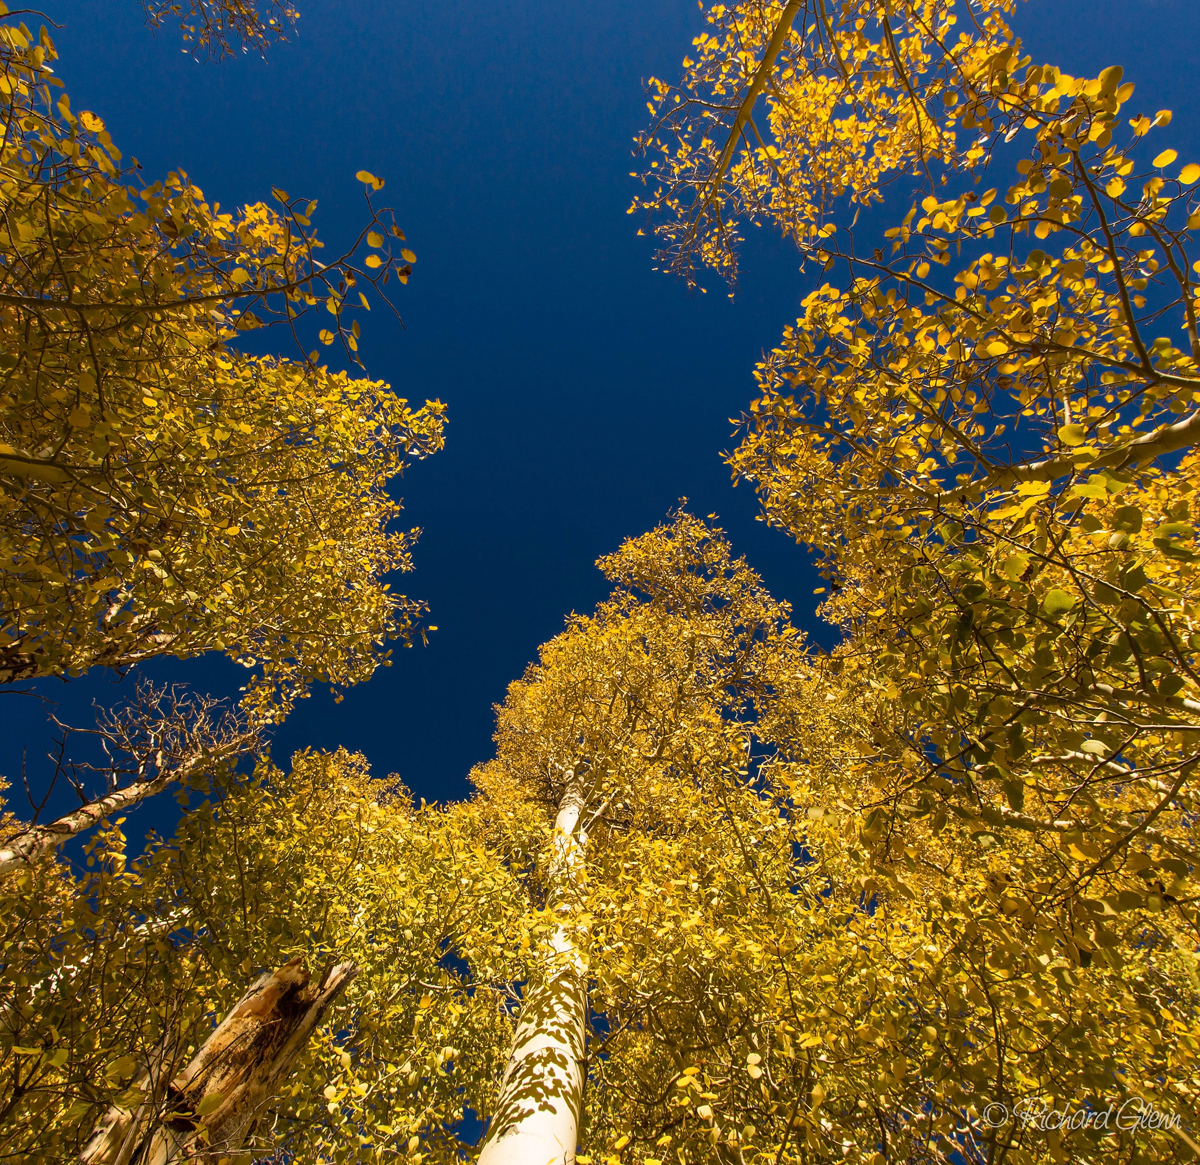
<point x="1015" y="566"/>
<point x="1058" y="602"/>
<point x="210" y="1104"/>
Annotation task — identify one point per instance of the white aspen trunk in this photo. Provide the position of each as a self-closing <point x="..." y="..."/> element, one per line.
<point x="541" y="1094"/>
<point x="41" y="839"/>
<point x="210" y="1108"/>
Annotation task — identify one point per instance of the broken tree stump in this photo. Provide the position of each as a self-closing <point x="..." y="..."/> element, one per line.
<point x="210" y="1107"/>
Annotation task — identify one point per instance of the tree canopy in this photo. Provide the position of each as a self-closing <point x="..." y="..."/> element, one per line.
<point x="991" y="459"/>
<point x="166" y="493"/>
<point x="319" y="862"/>
<point x="719" y="895"/>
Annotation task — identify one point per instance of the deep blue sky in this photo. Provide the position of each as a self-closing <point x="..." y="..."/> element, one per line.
<point x="586" y="392"/>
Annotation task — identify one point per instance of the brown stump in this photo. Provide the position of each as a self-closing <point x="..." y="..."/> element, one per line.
<point x="210" y="1107"/>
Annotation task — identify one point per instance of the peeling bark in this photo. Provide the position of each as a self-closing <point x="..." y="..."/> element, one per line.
<point x="211" y="1106"/>
<point x="541" y="1094"/>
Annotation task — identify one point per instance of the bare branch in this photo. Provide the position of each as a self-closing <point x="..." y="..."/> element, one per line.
<point x="163" y="737"/>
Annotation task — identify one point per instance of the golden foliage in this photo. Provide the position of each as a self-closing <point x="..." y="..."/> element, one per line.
<point x="996" y="767"/>
<point x="163" y="493"/>
<point x="652" y="700"/>
<point x="856" y="93"/>
<point x="1031" y="617"/>
<point x="216" y="28"/>
<point x="323" y="863"/>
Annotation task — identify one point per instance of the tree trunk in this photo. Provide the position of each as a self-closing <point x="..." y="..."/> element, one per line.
<point x="211" y="1106"/>
<point x="537" y="1116"/>
<point x="27" y="847"/>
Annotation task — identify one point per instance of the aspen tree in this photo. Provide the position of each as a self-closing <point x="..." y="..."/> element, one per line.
<point x="987" y="464"/>
<point x="163" y="492"/>
<point x="115" y="978"/>
<point x="885" y="431"/>
<point x="629" y="733"/>
<point x="537" y="1112"/>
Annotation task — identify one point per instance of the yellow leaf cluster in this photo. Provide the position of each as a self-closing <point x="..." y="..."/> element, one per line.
<point x="162" y="492"/>
<point x="321" y="862"/>
<point x="855" y="93"/>
<point x="218" y="28"/>
<point x="980" y="438"/>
